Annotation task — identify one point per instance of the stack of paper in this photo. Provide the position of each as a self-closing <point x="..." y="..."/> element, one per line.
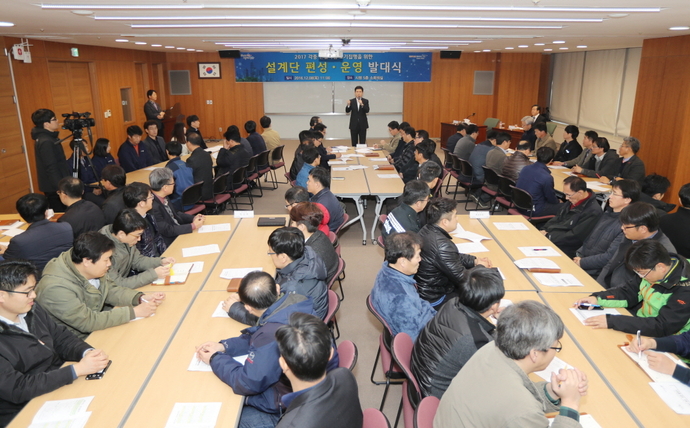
<point x="470" y="236"/>
<point x="583" y="314"/>
<point x="238" y="273"/>
<point x="13" y="225"/>
<point x="62" y="414"/>
<point x="388" y="175"/>
<point x="536" y="263"/>
<point x="223" y="227"/>
<point x="180" y="271"/>
<point x="510" y="226"/>
<point x="340" y="162"/>
<point x="545" y="251"/>
<point x="220" y="312"/>
<point x="472" y="247"/>
<point x="558" y="279"/>
<point x="557" y="167"/>
<point x="200" y="251"/>
<point x="194" y="415"/>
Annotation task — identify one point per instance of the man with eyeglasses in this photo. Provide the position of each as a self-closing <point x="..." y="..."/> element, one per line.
<point x="51" y="162"/>
<point x="575" y="218"/>
<point x="171" y="222"/>
<point x="639" y="221"/>
<point x="631" y="167"/>
<point x="607" y="235"/>
<point x="138" y="196"/>
<point x="494" y="389"/>
<point x="33" y="348"/>
<point x="660" y="299"/>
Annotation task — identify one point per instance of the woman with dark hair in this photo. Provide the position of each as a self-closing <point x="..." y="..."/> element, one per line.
<point x="101" y="156"/>
<point x="178" y="135"/>
<point x="307" y="216"/>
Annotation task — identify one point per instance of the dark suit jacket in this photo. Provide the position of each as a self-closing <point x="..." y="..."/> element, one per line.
<point x="42" y="241"/>
<point x="83" y="216"/>
<point x="539" y="119"/>
<point x="358" y="117"/>
<point x="197" y="131"/>
<point x="156" y="149"/>
<point x="231" y="160"/>
<point x="152" y="110"/>
<point x="166" y="226"/>
<point x="113" y="205"/>
<point x="632" y="169"/>
<point x="568" y="150"/>
<point x="677" y="227"/>
<point x="202" y="166"/>
<point x="608" y="167"/>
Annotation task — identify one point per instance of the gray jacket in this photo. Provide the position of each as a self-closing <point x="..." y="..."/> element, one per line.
<point x="127" y="258"/>
<point x="601" y="244"/>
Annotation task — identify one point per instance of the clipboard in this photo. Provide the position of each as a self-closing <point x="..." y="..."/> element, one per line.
<point x="371" y="155"/>
<point x="384" y="167"/>
<point x="234" y="285"/>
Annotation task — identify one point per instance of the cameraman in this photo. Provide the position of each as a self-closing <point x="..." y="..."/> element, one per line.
<point x="51" y="163"/>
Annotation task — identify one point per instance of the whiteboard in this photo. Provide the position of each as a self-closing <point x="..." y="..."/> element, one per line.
<point x="316" y="98"/>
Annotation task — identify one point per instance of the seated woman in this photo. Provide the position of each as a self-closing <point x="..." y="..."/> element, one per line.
<point x="101" y="156"/>
<point x="307" y="216"/>
<point x="178" y="135"/>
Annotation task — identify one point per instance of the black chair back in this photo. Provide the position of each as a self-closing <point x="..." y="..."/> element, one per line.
<point x="239" y="176"/>
<point x="505" y="186"/>
<point x="277" y="155"/>
<point x="447" y="159"/>
<point x="262" y="160"/>
<point x="466" y="168"/>
<point x="220" y="183"/>
<point x="457" y="164"/>
<point x="522" y="199"/>
<point x="251" y="166"/>
<point x="490" y="177"/>
<point x="192" y="194"/>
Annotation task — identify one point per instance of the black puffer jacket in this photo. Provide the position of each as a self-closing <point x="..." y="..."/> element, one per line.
<point x="446" y="344"/>
<point x="442" y="267"/>
<point x="572" y="224"/>
<point x="51" y="163"/>
<point x="601" y="244"/>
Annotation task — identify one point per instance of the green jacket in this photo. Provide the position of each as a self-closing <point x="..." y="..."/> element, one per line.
<point x="71" y="299"/>
<point x="125" y="259"/>
<point x="663" y="308"/>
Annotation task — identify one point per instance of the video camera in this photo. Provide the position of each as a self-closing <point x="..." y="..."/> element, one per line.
<point x="76" y="121"/>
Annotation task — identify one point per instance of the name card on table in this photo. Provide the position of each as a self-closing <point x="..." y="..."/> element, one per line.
<point x="244" y="214"/>
<point x="480" y="214"/>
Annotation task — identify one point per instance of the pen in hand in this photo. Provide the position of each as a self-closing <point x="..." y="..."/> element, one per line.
<point x="639" y="344"/>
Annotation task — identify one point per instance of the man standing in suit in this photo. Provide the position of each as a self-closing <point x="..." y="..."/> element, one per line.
<point x="358" y="118"/>
<point x="153" y="111"/>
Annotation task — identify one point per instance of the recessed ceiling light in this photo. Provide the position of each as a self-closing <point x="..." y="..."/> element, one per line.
<point x="477" y="51"/>
<point x="486" y="50"/>
<point x="548" y="50"/>
<point x="617" y="15"/>
<point x="82" y="12"/>
<point x="681" y="28"/>
<point x="523" y="46"/>
<point x="199" y="50"/>
<point x="539" y="44"/>
<point x="582" y="46"/>
<point x="156" y="46"/>
<point x="139" y="43"/>
<point x="558" y="42"/>
<point x="6" y="24"/>
<point x="191" y="50"/>
<point x="170" y="47"/>
<point x="563" y="49"/>
<point x="510" y="48"/>
<point x="180" y="49"/>
<point x="121" y="40"/>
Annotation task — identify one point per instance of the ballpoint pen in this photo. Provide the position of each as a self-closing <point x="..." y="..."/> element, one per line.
<point x="639" y="344"/>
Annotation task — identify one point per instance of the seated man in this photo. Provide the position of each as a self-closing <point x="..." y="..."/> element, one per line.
<point x="231" y="156"/>
<point x="406" y="155"/>
<point x="677" y="225"/>
<point x="465" y="145"/>
<point x="297" y="194"/>
<point x="310" y="155"/>
<point x="306" y="138"/>
<point x="583" y="158"/>
<point x="154" y="142"/>
<point x="631" y="167"/>
<point x="570" y="148"/>
<point x="604" y="161"/>
<point x="478" y="160"/>
<point x="76" y="291"/>
<point x="606" y="235"/>
<point x="254" y="138"/>
<point x="318" y="399"/>
<point x="515" y="163"/>
<point x="430" y="173"/>
<point x="260" y="378"/>
<point x="576" y="217"/>
<point x="456" y="332"/>
<point x="543" y="137"/>
<point x="132" y="154"/>
<point x="324" y="153"/>
<point x="171" y="222"/>
<point x="184" y="175"/>
<point x="493" y="389"/>
<point x="497" y="156"/>
<point x="460" y="131"/>
<point x="114" y="180"/>
<point x="193" y="124"/>
<point x="658" y="301"/>
<point x="391" y="146"/>
<point x="129" y="268"/>
<point x="639" y="221"/>
<point x="536" y="179"/>
<point x="394" y="296"/>
<point x="319" y="185"/>
<point x="33" y="348"/>
<point x="677" y="344"/>
<point x="528" y="134"/>
<point x="405" y="217"/>
<point x="201" y="163"/>
<point x="83" y="216"/>
<point x="139" y="197"/>
<point x="306" y="217"/>
<point x="43" y="239"/>
<point x="270" y="135"/>
<point x="442" y="266"/>
<point x="654" y="188"/>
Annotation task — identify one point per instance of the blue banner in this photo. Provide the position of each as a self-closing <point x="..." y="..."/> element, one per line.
<point x="358" y="67"/>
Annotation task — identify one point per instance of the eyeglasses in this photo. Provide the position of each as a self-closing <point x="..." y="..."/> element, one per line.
<point x="629" y="227"/>
<point x="614" y="194"/>
<point x="170" y="184"/>
<point x="26" y="293"/>
<point x="270" y="253"/>
<point x="645" y="275"/>
<point x="557" y="348"/>
<point x="150" y="198"/>
<point x="568" y="196"/>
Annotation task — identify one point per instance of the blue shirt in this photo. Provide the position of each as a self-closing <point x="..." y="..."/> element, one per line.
<point x="303" y="174"/>
<point x="536" y="179"/>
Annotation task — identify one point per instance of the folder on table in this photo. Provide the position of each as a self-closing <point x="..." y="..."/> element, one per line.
<point x="271" y="221"/>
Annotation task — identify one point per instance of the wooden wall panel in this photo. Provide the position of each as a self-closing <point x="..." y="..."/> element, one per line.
<point x="518" y="86"/>
<point x="661" y="118"/>
<point x="233" y="103"/>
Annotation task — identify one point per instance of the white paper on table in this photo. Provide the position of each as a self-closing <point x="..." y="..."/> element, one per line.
<point x="379" y="159"/>
<point x="220" y="312"/>
<point x="470" y="236"/>
<point x="4" y="244"/>
<point x="180" y="271"/>
<point x="558" y="280"/>
<point x="655" y="375"/>
<point x="363" y="151"/>
<point x="503" y="277"/>
<point x="76" y="421"/>
<point x="334" y="162"/>
<point x="553" y="367"/>
<point x="545" y="251"/>
<point x="388" y="175"/>
<point x="675" y="395"/>
<point x="351" y="155"/>
<point x="214" y="155"/>
<point x="14" y="225"/>
<point x="583" y="314"/>
<point x="61" y="409"/>
<point x="151" y="168"/>
<point x="193" y="415"/>
<point x="536" y="263"/>
<point x="355" y="167"/>
<point x="510" y="226"/>
<point x="243" y="214"/>
<point x="471" y="247"/>
<point x="196" y="365"/>
<point x="557" y="167"/>
<point x="587" y="421"/>
<point x="223" y="227"/>
<point x="480" y="214"/>
<point x="341" y="168"/>
<point x="13" y="232"/>
<point x="594" y="186"/>
<point x="458" y="229"/>
<point x="214" y="148"/>
<point x="200" y="251"/>
<point x="238" y="272"/>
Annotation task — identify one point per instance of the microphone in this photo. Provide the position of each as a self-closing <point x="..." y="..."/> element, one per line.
<point x="470" y="116"/>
